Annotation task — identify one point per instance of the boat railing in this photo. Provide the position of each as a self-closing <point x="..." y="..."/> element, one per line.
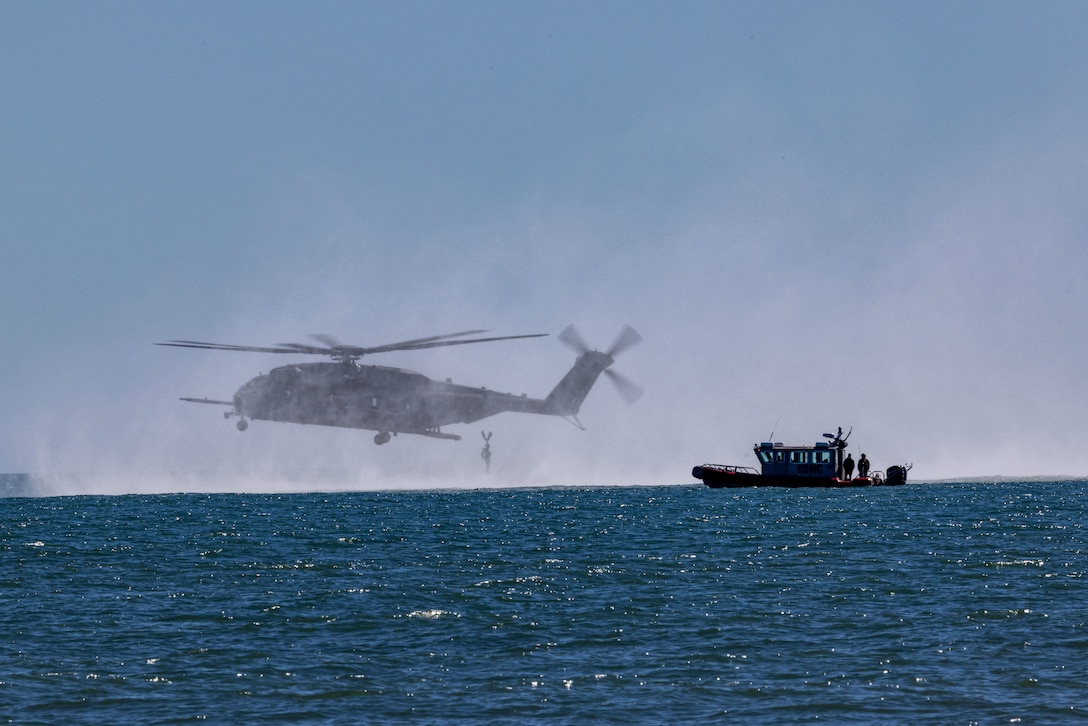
<point x="730" y="469"/>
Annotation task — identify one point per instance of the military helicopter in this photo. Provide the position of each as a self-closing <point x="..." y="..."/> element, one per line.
<point x="395" y="401"/>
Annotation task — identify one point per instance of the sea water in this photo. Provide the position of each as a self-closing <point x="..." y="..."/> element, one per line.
<point x="930" y="603"/>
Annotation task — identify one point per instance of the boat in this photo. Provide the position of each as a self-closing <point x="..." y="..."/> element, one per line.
<point x="816" y="465"/>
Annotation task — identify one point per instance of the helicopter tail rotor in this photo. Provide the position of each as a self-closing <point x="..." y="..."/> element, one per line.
<point x="628" y="338"/>
<point x="567" y="397"/>
<point x="628" y="389"/>
<point x="573" y="339"/>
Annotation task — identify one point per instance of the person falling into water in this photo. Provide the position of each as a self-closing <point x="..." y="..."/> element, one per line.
<point x="486" y="453"/>
<point x="848" y="467"/>
<point x="863" y="467"/>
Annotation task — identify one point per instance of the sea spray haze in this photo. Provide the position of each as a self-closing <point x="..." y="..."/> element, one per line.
<point x="866" y="215"/>
<point x="932" y="603"/>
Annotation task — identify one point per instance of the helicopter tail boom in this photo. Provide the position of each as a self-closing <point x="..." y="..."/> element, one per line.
<point x="567" y="397"/>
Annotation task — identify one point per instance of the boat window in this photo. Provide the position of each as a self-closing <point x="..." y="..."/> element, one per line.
<point x="798" y="457"/>
<point x="780" y="457"/>
<point x="765" y="457"/>
<point x="823" y="457"/>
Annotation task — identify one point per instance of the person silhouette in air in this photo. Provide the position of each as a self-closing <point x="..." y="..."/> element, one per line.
<point x="486" y="453"/>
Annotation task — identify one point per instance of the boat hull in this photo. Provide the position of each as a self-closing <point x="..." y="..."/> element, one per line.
<point x="729" y="477"/>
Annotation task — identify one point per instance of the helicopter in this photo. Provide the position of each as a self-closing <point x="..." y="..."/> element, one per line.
<point x="344" y="393"/>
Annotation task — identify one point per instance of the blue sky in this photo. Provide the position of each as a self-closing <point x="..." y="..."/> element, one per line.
<point x="817" y="214"/>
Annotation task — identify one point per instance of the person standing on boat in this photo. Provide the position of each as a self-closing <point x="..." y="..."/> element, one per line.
<point x="848" y="467"/>
<point x="863" y="466"/>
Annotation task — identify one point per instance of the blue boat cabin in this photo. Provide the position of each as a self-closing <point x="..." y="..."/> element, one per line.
<point x="819" y="460"/>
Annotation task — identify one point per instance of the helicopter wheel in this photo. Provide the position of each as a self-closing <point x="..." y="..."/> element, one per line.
<point x="382" y="437"/>
<point x="242" y="424"/>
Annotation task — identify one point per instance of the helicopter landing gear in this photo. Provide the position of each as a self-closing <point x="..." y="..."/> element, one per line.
<point x="382" y="437"/>
<point x="242" y="424"/>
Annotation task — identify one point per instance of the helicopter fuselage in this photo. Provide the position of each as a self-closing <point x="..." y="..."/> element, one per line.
<point x="371" y="397"/>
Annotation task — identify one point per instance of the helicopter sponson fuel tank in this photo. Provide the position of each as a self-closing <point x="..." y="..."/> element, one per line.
<point x="391" y="401"/>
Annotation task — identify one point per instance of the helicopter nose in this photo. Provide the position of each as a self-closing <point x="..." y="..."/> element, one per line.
<point x="248" y="397"/>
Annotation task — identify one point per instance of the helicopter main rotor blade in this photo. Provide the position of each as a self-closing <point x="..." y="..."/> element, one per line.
<point x="308" y="349"/>
<point x="350" y="351"/>
<point x="335" y="347"/>
<point x="328" y="340"/>
<point x="442" y="337"/>
<point x="225" y="346"/>
<point x="422" y="343"/>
